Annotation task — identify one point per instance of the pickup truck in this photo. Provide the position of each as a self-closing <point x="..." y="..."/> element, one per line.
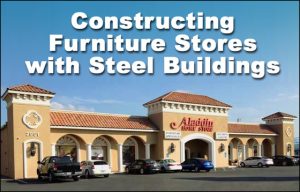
<point x="58" y="167"/>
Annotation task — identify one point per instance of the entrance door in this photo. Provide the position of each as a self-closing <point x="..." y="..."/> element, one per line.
<point x="32" y="156"/>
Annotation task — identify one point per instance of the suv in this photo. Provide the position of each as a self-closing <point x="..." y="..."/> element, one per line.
<point x="53" y="167"/>
<point x="284" y="160"/>
<point x="257" y="161"/>
<point x="95" y="168"/>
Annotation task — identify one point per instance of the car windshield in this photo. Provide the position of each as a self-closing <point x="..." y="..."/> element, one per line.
<point x="100" y="163"/>
<point x="64" y="159"/>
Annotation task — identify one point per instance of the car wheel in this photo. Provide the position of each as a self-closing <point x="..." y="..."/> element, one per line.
<point x="197" y="169"/>
<point x="260" y="165"/>
<point x="141" y="171"/>
<point x="107" y="175"/>
<point x="243" y="165"/>
<point x="87" y="174"/>
<point x="267" y="166"/>
<point x="75" y="178"/>
<point x="50" y="177"/>
<point x="163" y="169"/>
<point x="207" y="170"/>
<point x="284" y="163"/>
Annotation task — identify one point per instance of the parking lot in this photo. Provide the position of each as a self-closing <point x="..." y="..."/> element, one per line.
<point x="241" y="179"/>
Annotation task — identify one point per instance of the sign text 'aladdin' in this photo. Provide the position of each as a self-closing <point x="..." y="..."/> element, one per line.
<point x="189" y="124"/>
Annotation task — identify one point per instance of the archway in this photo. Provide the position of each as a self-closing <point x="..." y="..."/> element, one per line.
<point x="68" y="145"/>
<point x="32" y="152"/>
<point x="133" y="148"/>
<point x="267" y="148"/>
<point x="235" y="150"/>
<point x="100" y="149"/>
<point x="252" y="148"/>
<point x="205" y="142"/>
<point x="196" y="148"/>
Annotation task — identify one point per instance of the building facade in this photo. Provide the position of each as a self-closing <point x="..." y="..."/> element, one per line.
<point x="178" y="126"/>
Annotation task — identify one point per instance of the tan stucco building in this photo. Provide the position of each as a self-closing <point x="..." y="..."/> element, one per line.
<point x="178" y="126"/>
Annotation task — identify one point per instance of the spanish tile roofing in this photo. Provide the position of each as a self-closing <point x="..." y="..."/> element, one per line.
<point x="249" y="128"/>
<point x="278" y="115"/>
<point x="96" y="120"/>
<point x="188" y="98"/>
<point x="30" y="88"/>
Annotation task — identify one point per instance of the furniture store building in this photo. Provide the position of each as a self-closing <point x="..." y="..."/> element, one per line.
<point x="178" y="126"/>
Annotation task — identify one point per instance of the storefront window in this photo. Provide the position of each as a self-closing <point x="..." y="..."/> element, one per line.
<point x="128" y="154"/>
<point x="99" y="153"/>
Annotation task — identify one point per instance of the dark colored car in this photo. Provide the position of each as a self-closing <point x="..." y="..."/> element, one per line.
<point x="284" y="160"/>
<point x="143" y="166"/>
<point x="58" y="167"/>
<point x="197" y="164"/>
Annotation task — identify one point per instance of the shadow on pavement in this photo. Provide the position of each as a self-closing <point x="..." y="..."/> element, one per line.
<point x="250" y="179"/>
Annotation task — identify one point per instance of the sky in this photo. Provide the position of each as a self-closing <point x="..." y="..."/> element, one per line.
<point x="26" y="26"/>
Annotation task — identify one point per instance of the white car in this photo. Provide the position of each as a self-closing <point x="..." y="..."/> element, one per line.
<point x="257" y="161"/>
<point x="95" y="168"/>
<point x="169" y="165"/>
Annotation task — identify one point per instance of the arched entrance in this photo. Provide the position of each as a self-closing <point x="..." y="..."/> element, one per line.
<point x="203" y="146"/>
<point x="196" y="148"/>
<point x="235" y="150"/>
<point x="101" y="149"/>
<point x="252" y="148"/>
<point x="130" y="150"/>
<point x="32" y="152"/>
<point x="267" y="148"/>
<point x="68" y="145"/>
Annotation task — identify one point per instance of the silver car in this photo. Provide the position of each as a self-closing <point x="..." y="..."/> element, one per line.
<point x="257" y="161"/>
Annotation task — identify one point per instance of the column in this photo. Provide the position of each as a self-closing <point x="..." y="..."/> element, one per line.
<point x="88" y="151"/>
<point x="273" y="149"/>
<point x="53" y="149"/>
<point x="120" y="152"/>
<point x="259" y="150"/>
<point x="244" y="152"/>
<point x="147" y="151"/>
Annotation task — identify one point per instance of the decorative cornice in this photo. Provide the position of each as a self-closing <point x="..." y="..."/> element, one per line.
<point x="175" y="107"/>
<point x="102" y="129"/>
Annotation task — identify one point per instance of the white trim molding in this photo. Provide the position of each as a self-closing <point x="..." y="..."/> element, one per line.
<point x="262" y="134"/>
<point x="25" y="153"/>
<point x="188" y="108"/>
<point x="203" y="137"/>
<point x="103" y="129"/>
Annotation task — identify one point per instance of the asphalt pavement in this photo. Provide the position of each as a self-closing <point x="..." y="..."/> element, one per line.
<point x="236" y="179"/>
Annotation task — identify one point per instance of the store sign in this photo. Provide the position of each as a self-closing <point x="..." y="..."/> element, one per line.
<point x="221" y="136"/>
<point x="189" y="124"/>
<point x="172" y="135"/>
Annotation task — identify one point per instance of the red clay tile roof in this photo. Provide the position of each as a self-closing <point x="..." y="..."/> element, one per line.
<point x="95" y="120"/>
<point x="188" y="98"/>
<point x="278" y="115"/>
<point x="249" y="128"/>
<point x="30" y="89"/>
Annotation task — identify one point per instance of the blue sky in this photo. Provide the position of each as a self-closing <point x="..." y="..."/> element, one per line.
<point x="275" y="26"/>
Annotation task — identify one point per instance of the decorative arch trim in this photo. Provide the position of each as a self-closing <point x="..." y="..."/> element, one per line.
<point x="209" y="140"/>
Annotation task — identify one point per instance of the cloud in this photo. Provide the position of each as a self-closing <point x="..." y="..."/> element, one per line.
<point x="58" y="105"/>
<point x="182" y="91"/>
<point x="284" y="97"/>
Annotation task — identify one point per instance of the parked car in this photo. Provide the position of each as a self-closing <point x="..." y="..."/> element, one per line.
<point x="169" y="165"/>
<point x="95" y="168"/>
<point x="197" y="164"/>
<point x="296" y="159"/>
<point x="143" y="166"/>
<point x="257" y="161"/>
<point x="284" y="160"/>
<point x="58" y="167"/>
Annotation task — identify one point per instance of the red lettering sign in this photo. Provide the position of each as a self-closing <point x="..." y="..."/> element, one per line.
<point x="189" y="124"/>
